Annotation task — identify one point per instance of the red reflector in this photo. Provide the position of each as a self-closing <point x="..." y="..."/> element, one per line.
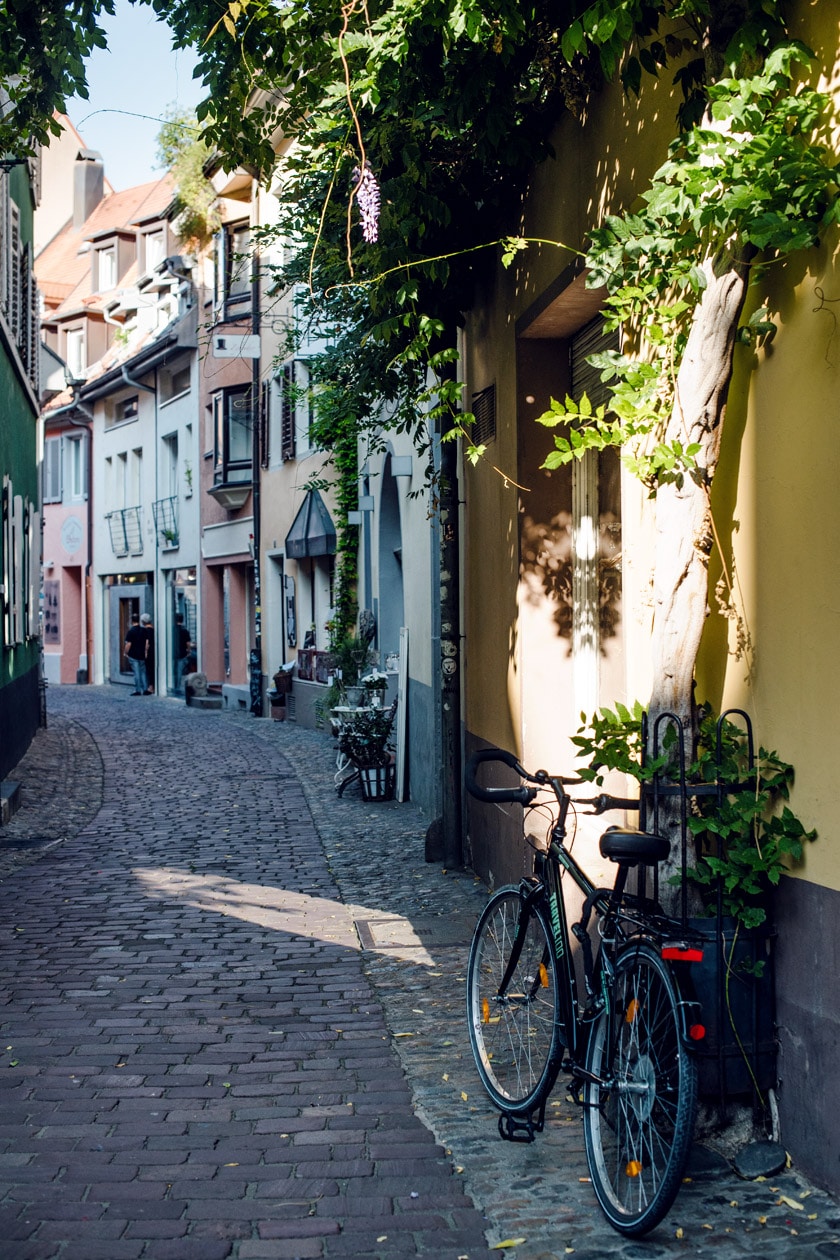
<point x="697" y="1032"/>
<point x="678" y="953"/>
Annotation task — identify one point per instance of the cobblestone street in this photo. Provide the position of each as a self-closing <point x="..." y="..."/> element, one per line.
<point x="231" y="1023"/>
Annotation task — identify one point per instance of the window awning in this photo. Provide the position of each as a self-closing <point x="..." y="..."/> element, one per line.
<point x="312" y="532"/>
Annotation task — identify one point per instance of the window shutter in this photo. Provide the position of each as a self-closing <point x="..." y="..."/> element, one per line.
<point x="15" y="295"/>
<point x="4" y="244"/>
<point x="592" y="339"/>
<point x="34" y="329"/>
<point x="287" y="432"/>
<point x="484" y="410"/>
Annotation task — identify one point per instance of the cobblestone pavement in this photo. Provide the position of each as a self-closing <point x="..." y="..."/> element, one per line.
<point x="198" y="1061"/>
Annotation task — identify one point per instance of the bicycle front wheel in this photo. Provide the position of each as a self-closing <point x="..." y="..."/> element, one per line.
<point x="513" y="1029"/>
<point x="638" y="1123"/>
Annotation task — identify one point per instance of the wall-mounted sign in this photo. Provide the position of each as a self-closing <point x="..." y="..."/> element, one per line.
<point x="72" y="535"/>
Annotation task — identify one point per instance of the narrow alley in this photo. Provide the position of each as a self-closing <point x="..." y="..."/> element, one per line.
<point x="231" y="1023"/>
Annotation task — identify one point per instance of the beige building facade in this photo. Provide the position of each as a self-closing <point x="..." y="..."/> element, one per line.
<point x="570" y="578"/>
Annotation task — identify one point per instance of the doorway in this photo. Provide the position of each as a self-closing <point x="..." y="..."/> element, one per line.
<point x="124" y="602"/>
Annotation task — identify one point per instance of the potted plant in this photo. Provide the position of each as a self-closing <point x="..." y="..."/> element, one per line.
<point x="350" y="657"/>
<point x="365" y="738"/>
<point x="374" y="685"/>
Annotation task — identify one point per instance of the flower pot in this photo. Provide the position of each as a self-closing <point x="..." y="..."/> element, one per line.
<point x="377" y="782"/>
<point x="749" y="1004"/>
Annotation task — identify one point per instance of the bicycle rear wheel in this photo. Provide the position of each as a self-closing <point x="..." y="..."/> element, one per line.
<point x="639" y="1125"/>
<point x="514" y="1033"/>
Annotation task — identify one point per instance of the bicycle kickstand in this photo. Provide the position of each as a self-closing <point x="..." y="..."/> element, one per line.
<point x="522" y="1127"/>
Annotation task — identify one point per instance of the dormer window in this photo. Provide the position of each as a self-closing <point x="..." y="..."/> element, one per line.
<point x="74" y="352"/>
<point x="106" y="265"/>
<point x="154" y="249"/>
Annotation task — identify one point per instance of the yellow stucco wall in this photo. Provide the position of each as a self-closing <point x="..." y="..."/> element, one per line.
<point x="780" y="490"/>
<point x="776" y="492"/>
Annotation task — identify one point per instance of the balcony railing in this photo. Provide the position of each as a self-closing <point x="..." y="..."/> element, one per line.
<point x="126" y="529"/>
<point x="166" y="521"/>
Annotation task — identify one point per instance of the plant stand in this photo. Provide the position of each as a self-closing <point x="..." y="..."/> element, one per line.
<point x="734" y="1062"/>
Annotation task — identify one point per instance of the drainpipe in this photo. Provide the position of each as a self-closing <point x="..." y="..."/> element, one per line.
<point x="68" y="411"/>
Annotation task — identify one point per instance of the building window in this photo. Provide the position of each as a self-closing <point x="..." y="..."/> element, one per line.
<point x="121" y="410"/>
<point x="154" y="249"/>
<point x="233" y="436"/>
<point x="106" y="268"/>
<point x="169" y="464"/>
<point x="233" y="271"/>
<point x="75" y="450"/>
<point x="135" y="473"/>
<point x="175" y="382"/>
<point x="52" y="470"/>
<point x="74" y="352"/>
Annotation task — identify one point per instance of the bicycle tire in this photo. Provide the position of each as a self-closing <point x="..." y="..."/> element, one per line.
<point x="514" y="1036"/>
<point x="637" y="1141"/>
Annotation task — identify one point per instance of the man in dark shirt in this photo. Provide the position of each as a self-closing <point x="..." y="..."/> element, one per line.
<point x="149" y="631"/>
<point x="135" y="650"/>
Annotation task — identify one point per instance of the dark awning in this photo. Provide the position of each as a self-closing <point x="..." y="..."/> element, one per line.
<point x="312" y="532"/>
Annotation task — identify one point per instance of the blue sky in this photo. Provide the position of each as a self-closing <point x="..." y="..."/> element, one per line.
<point x="139" y="74"/>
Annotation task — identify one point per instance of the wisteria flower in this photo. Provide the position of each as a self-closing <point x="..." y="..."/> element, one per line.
<point x="367" y="195"/>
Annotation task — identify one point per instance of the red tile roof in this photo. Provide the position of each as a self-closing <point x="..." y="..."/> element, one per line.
<point x="63" y="268"/>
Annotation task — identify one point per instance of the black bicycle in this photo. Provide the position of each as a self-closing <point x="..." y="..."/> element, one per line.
<point x="626" y="1047"/>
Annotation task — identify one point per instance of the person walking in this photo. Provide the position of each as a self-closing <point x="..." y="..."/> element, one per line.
<point x="135" y="650"/>
<point x="149" y="631"/>
<point x="182" y="650"/>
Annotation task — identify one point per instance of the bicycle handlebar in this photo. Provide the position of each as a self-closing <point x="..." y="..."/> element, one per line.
<point x="519" y="795"/>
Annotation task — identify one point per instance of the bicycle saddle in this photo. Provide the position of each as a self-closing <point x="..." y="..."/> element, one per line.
<point x="629" y="847"/>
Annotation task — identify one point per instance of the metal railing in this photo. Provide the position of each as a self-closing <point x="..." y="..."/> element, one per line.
<point x="126" y="529"/>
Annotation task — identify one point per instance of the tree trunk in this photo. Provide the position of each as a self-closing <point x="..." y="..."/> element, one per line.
<point x="684" y="535"/>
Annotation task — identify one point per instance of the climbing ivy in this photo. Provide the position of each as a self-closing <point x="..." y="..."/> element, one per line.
<point x="754" y="182"/>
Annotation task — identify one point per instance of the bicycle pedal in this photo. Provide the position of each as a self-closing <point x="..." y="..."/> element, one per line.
<point x="514" y="1128"/>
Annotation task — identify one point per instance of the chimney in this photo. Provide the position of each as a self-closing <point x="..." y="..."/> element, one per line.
<point x="88" y="185"/>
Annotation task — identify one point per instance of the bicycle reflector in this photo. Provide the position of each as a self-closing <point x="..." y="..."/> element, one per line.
<point x="696" y="1032"/>
<point x="682" y="953"/>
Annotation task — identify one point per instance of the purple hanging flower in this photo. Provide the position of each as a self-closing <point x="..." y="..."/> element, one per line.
<point x="367" y="195"/>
